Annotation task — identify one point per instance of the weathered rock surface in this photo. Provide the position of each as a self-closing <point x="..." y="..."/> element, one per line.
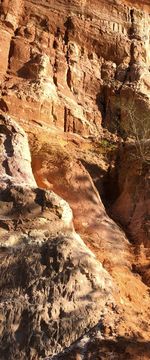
<point x="22" y="204"/>
<point x="15" y="158"/>
<point x="67" y="165"/>
<point x="53" y="289"/>
<point x="71" y="68"/>
<point x="94" y="348"/>
<point x="132" y="204"/>
<point x="51" y="294"/>
<point x="74" y="64"/>
<point x="64" y="169"/>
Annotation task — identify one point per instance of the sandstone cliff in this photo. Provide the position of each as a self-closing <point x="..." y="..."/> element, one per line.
<point x="75" y="82"/>
<point x="50" y="279"/>
<point x="73" y="64"/>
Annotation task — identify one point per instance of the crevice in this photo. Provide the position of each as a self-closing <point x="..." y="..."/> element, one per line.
<point x="16" y="33"/>
<point x="45" y="25"/>
<point x="133" y="31"/>
<point x="74" y="127"/>
<point x="55" y="68"/>
<point x="3" y="105"/>
<point x="40" y="198"/>
<point x="55" y="80"/>
<point x="6" y="167"/>
<point x="69" y="29"/>
<point x="53" y="114"/>
<point x="55" y="44"/>
<point x="69" y="78"/>
<point x="11" y="52"/>
<point x="8" y="141"/>
<point x="132" y="16"/>
<point x="58" y="32"/>
<point x="65" y="119"/>
<point x="66" y="37"/>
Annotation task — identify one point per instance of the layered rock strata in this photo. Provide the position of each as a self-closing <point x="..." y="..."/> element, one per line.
<point x="74" y="64"/>
<point x="71" y="68"/>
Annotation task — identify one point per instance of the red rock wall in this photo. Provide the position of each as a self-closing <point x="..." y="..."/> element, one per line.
<point x="58" y="57"/>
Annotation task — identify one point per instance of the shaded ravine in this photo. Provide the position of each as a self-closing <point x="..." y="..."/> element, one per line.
<point x="124" y="190"/>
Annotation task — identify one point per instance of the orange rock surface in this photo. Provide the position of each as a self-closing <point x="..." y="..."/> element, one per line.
<point x="74" y="74"/>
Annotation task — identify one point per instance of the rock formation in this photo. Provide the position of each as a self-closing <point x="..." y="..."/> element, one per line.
<point x="50" y="279"/>
<point x="74" y="203"/>
<point x="60" y="65"/>
<point x="15" y="166"/>
<point x="132" y="206"/>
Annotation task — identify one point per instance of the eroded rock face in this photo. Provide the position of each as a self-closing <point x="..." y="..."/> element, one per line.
<point x="59" y="292"/>
<point x="71" y="67"/>
<point x="72" y="64"/>
<point x="66" y="172"/>
<point x="132" y="205"/>
<point x="15" y="159"/>
<point x="53" y="289"/>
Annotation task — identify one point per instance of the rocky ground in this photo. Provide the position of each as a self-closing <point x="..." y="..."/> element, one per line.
<point x="74" y="180"/>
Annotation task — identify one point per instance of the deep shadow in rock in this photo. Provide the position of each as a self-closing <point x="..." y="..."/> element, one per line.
<point x="118" y="349"/>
